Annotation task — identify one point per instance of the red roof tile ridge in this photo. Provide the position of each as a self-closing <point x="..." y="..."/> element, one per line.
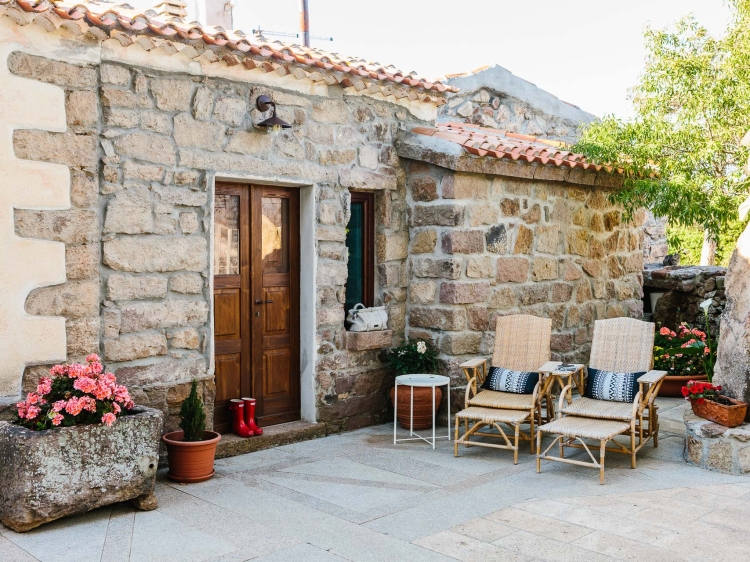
<point x="130" y="25"/>
<point x="498" y="143"/>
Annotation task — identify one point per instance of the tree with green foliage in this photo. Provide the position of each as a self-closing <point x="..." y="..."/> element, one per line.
<point x="682" y="154"/>
<point x="192" y="415"/>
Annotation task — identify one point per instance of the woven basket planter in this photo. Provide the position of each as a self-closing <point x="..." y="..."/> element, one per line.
<point x="422" y="405"/>
<point x="728" y="416"/>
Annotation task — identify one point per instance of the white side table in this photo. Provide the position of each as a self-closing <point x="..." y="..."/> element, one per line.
<point x="431" y="381"/>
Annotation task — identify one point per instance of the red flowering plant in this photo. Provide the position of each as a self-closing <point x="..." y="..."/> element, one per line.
<point x="684" y="352"/>
<point x="701" y="391"/>
<point x="74" y="394"/>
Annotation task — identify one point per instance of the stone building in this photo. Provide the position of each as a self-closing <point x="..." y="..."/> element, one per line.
<point x="146" y="215"/>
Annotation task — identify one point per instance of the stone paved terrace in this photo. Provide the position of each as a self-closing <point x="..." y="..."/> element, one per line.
<point x="355" y="496"/>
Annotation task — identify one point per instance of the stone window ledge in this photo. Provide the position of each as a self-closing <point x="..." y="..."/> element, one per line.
<point x="361" y="341"/>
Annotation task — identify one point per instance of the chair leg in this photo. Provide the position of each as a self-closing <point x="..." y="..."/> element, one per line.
<point x="632" y="448"/>
<point x="515" y="451"/>
<point x="531" y="432"/>
<point x="655" y="429"/>
<point x="562" y="447"/>
<point x="602" y="450"/>
<point x="466" y="430"/>
<point x="455" y="437"/>
<point x="538" y="450"/>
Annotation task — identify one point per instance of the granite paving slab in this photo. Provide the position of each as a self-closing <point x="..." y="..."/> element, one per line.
<point x="357" y="497"/>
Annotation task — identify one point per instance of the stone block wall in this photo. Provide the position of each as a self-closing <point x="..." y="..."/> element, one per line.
<point x="685" y="288"/>
<point x="78" y="299"/>
<point x="490" y="108"/>
<point x="144" y="148"/>
<point x="483" y="246"/>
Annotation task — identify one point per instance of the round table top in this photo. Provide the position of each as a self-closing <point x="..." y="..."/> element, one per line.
<point x="422" y="380"/>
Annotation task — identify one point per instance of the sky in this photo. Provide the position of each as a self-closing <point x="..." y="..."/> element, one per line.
<point x="586" y="52"/>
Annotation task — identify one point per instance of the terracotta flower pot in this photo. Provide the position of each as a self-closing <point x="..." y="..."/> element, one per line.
<point x="728" y="416"/>
<point x="422" y="405"/>
<point x="672" y="385"/>
<point x="191" y="461"/>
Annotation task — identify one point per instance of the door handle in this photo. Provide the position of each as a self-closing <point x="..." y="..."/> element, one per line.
<point x="258" y="301"/>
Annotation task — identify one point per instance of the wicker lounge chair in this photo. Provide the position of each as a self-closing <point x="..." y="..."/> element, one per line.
<point x="620" y="345"/>
<point x="522" y="343"/>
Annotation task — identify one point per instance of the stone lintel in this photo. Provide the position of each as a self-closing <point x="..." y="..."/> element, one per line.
<point x="361" y="341"/>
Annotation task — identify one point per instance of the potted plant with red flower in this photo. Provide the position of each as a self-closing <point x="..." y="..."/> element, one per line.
<point x="708" y="403"/>
<point x="78" y="442"/>
<point x="687" y="354"/>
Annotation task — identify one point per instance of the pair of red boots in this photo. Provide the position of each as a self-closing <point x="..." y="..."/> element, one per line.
<point x="243" y="417"/>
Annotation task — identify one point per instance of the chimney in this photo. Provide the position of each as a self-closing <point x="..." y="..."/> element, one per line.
<point x="214" y="12"/>
<point x="171" y="8"/>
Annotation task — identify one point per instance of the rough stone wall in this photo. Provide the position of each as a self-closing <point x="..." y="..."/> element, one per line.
<point x="686" y="288"/>
<point x="495" y="97"/>
<point x="484" y="246"/>
<point x="498" y="110"/>
<point x="144" y="148"/>
<point x="655" y="247"/>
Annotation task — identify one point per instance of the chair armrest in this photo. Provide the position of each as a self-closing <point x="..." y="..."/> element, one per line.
<point x="472" y="363"/>
<point x="652" y="377"/>
<point x="475" y="368"/>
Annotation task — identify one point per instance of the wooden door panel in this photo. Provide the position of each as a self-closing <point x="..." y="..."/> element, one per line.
<point x="228" y="377"/>
<point x="276" y="362"/>
<point x="277" y="311"/>
<point x="275" y="264"/>
<point x="227" y="314"/>
<point x="231" y="298"/>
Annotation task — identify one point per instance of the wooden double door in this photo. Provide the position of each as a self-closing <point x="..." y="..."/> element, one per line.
<point x="256" y="301"/>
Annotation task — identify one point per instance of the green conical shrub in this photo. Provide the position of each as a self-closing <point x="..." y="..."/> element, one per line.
<point x="193" y="416"/>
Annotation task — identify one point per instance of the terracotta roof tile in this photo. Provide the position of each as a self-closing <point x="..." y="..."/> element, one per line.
<point x="496" y="143"/>
<point x="150" y="30"/>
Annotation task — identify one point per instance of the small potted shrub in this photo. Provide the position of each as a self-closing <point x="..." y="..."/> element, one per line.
<point x="191" y="451"/>
<point x="687" y="354"/>
<point x="708" y="403"/>
<point x="414" y="358"/>
<point x="78" y="443"/>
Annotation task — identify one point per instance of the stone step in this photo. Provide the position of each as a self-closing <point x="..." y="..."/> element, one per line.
<point x="273" y="436"/>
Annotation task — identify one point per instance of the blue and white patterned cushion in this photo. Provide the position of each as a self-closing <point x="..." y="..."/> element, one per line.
<point x="614" y="387"/>
<point x="506" y="380"/>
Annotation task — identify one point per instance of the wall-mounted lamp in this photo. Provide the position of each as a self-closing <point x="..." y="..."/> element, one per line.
<point x="273" y="124"/>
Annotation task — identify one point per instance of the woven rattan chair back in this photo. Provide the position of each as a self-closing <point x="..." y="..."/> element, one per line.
<point x="622" y="345"/>
<point x="522" y="342"/>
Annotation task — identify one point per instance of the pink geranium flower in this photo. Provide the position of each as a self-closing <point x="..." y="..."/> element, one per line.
<point x="44" y="386"/>
<point x="74" y="394"/>
<point x="85" y="384"/>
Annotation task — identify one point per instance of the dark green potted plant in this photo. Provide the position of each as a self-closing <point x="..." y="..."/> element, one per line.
<point x="191" y="451"/>
<point x="414" y="357"/>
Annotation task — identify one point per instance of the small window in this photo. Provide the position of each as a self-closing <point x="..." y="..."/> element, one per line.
<point x="360" y="241"/>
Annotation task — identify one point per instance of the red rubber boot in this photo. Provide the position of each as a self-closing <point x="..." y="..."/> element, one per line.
<point x="250" y="416"/>
<point x="237" y="407"/>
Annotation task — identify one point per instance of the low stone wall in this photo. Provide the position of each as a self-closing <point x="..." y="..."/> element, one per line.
<point x="686" y="288"/>
<point x="715" y="447"/>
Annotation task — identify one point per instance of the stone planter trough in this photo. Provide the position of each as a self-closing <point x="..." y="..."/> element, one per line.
<point x="59" y="472"/>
